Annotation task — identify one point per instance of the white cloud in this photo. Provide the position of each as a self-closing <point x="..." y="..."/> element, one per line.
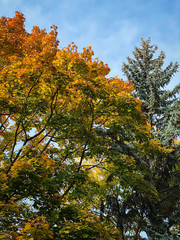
<point x="10" y="2"/>
<point x="112" y="48"/>
<point x="35" y="16"/>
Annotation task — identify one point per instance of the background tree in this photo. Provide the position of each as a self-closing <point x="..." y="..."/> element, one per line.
<point x="160" y="105"/>
<point x="162" y="109"/>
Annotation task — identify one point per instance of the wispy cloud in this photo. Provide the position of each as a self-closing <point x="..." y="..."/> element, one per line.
<point x="9" y="2"/>
<point x="35" y="16"/>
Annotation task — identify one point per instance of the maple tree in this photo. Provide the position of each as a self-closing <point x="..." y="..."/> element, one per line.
<point x="71" y="139"/>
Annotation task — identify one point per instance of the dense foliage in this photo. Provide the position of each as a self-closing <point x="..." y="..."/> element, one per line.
<point x="78" y="157"/>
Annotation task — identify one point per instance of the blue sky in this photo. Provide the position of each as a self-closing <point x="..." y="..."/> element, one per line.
<point x="112" y="27"/>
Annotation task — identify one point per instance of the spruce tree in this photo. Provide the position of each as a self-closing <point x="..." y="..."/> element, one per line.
<point x="162" y="108"/>
<point x="150" y="79"/>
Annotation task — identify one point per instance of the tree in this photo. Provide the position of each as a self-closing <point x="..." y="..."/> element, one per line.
<point x="77" y="159"/>
<point x="58" y="113"/>
<point x="161" y="106"/>
<point x="162" y="109"/>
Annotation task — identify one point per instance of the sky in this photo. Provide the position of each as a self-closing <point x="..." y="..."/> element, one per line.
<point x="112" y="27"/>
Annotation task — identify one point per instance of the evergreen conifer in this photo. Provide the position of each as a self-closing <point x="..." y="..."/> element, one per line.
<point x="162" y="108"/>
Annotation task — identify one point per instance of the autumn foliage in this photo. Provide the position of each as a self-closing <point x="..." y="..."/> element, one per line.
<point x="66" y="137"/>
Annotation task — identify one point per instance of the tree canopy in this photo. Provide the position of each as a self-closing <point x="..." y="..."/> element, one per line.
<point x="78" y="157"/>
